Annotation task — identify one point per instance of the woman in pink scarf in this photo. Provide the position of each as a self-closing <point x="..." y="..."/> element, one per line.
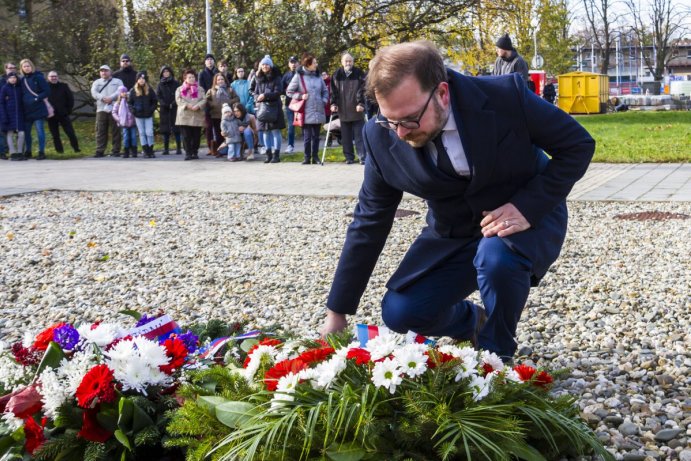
<point x="190" y="118"/>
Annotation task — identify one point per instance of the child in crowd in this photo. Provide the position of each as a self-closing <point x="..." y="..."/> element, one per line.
<point x="125" y="120"/>
<point x="12" y="117"/>
<point x="230" y="130"/>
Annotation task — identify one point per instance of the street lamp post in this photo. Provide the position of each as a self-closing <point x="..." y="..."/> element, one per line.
<point x="208" y="25"/>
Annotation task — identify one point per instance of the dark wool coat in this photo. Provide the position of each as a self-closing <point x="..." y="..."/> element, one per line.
<point x="206" y="78"/>
<point x="167" y="108"/>
<point x="34" y="107"/>
<point x="61" y="98"/>
<point x="271" y="86"/>
<point x="347" y="92"/>
<point x="504" y="129"/>
<point x="11" y="108"/>
<point x="128" y="76"/>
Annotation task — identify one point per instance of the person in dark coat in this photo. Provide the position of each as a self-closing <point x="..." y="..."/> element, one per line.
<point x="497" y="215"/>
<point x="9" y="67"/>
<point x="167" y="109"/>
<point x="35" y="91"/>
<point x="266" y="89"/>
<point x="142" y="102"/>
<point x="205" y="80"/>
<point x="348" y="101"/>
<point x="62" y="100"/>
<point x="126" y="74"/>
<point x="285" y="81"/>
<point x="508" y="60"/>
<point x="12" y="116"/>
<point x="549" y="93"/>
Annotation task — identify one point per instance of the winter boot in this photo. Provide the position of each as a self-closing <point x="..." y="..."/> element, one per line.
<point x="212" y="148"/>
<point x="166" y="145"/>
<point x="126" y="153"/>
<point x="151" y="151"/>
<point x="134" y="151"/>
<point x="3" y="156"/>
<point x="27" y="155"/>
<point x="41" y="156"/>
<point x="269" y="156"/>
<point x="306" y="161"/>
<point x="277" y="156"/>
<point x="16" y="157"/>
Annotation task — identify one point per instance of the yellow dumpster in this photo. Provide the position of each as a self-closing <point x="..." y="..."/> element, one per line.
<point x="583" y="93"/>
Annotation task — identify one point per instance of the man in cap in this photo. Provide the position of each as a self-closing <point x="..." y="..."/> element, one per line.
<point x="508" y="60"/>
<point x="127" y="75"/>
<point x="285" y="81"/>
<point x="105" y="91"/>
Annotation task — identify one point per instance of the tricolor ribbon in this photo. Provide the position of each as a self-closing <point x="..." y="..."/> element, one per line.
<point x="218" y="343"/>
<point x="160" y="328"/>
<point x="364" y="333"/>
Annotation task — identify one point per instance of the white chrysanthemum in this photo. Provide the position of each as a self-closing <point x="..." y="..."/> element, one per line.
<point x="387" y="374"/>
<point x="325" y="373"/>
<point x="256" y="360"/>
<point x="12" y="422"/>
<point x="512" y="375"/>
<point x="481" y="386"/>
<point x="12" y="374"/>
<point x="493" y="360"/>
<point x="285" y="388"/>
<point x="467" y="366"/>
<point x="101" y="335"/>
<point x="382" y="346"/>
<point x="450" y="349"/>
<point x="136" y="364"/>
<point x="72" y="371"/>
<point x="411" y="359"/>
<point x="289" y="350"/>
<point x="53" y="392"/>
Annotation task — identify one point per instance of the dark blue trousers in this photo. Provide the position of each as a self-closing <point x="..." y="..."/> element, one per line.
<point x="435" y="305"/>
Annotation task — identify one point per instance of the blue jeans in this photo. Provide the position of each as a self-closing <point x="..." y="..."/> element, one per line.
<point x="129" y="137"/>
<point x="40" y="132"/>
<point x="249" y="138"/>
<point x="291" y="128"/>
<point x="435" y="305"/>
<point x="145" y="127"/>
<point x="272" y="139"/>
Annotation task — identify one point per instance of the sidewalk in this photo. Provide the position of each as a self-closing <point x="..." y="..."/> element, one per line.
<point x="609" y="182"/>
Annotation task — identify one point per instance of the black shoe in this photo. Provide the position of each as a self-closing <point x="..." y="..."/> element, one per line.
<point x="277" y="157"/>
<point x="306" y="161"/>
<point x="76" y="151"/>
<point x="27" y="155"/>
<point x="115" y="154"/>
<point x="195" y="156"/>
<point x="3" y="156"/>
<point x="41" y="156"/>
<point x="178" y="152"/>
<point x="60" y="151"/>
<point x="165" y="152"/>
<point x="188" y="157"/>
<point x="349" y="162"/>
<point x="315" y="161"/>
<point x="481" y="320"/>
<point x="269" y="156"/>
<point x="16" y="157"/>
<point x="97" y="155"/>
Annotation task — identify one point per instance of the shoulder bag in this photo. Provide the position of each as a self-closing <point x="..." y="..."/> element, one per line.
<point x="298" y="107"/>
<point x="49" y="106"/>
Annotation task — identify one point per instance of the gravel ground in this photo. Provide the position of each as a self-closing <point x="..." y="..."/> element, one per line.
<point x="616" y="307"/>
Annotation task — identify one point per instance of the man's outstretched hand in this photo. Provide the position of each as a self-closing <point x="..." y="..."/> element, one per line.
<point x="334" y="323"/>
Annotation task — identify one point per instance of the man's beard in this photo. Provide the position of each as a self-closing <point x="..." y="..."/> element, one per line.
<point x="419" y="140"/>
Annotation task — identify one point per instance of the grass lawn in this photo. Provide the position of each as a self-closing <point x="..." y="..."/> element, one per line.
<point x="624" y="137"/>
<point x="642" y="136"/>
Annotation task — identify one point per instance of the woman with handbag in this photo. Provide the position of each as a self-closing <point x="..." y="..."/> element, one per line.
<point x="308" y="86"/>
<point x="35" y="92"/>
<point x="190" y="117"/>
<point x="266" y="89"/>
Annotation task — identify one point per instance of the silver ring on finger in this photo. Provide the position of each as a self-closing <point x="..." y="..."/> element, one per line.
<point x="507" y="224"/>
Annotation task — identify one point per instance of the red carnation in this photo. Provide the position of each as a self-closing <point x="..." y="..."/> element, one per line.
<point x="44" y="338"/>
<point x="33" y="433"/>
<point x="176" y="352"/>
<point x="525" y="372"/>
<point x="25" y="356"/>
<point x="282" y="369"/>
<point x="263" y="342"/>
<point x="91" y="430"/>
<point x="438" y="357"/>
<point x="487" y="368"/>
<point x="543" y="379"/>
<point x="316" y="355"/>
<point x="96" y="386"/>
<point x="361" y="356"/>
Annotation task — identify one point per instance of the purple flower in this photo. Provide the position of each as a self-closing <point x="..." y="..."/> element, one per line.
<point x="191" y="340"/>
<point x="66" y="336"/>
<point x="145" y="319"/>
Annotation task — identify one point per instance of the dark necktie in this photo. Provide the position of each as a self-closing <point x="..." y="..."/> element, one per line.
<point x="443" y="160"/>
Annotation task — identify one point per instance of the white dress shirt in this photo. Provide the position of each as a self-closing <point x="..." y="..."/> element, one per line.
<point x="451" y="139"/>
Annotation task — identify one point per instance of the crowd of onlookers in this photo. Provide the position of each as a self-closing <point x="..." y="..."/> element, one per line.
<point x="241" y="112"/>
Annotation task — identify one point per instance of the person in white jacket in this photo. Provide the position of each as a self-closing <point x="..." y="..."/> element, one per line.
<point x="105" y="91"/>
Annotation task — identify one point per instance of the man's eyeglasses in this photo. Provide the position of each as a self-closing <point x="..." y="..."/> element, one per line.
<point x="407" y="124"/>
<point x="124" y="60"/>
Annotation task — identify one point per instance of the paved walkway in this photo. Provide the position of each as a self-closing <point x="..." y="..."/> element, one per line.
<point x="616" y="182"/>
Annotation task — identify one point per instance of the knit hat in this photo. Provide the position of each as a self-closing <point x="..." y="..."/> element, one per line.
<point x="209" y="55"/>
<point x="504" y="42"/>
<point x="226" y="108"/>
<point x="123" y="89"/>
<point x="125" y="56"/>
<point x="266" y="60"/>
<point x="11" y="74"/>
<point x="141" y="74"/>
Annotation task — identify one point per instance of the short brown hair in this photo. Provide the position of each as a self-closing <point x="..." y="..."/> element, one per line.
<point x="307" y="59"/>
<point x="391" y="64"/>
<point x="188" y="70"/>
